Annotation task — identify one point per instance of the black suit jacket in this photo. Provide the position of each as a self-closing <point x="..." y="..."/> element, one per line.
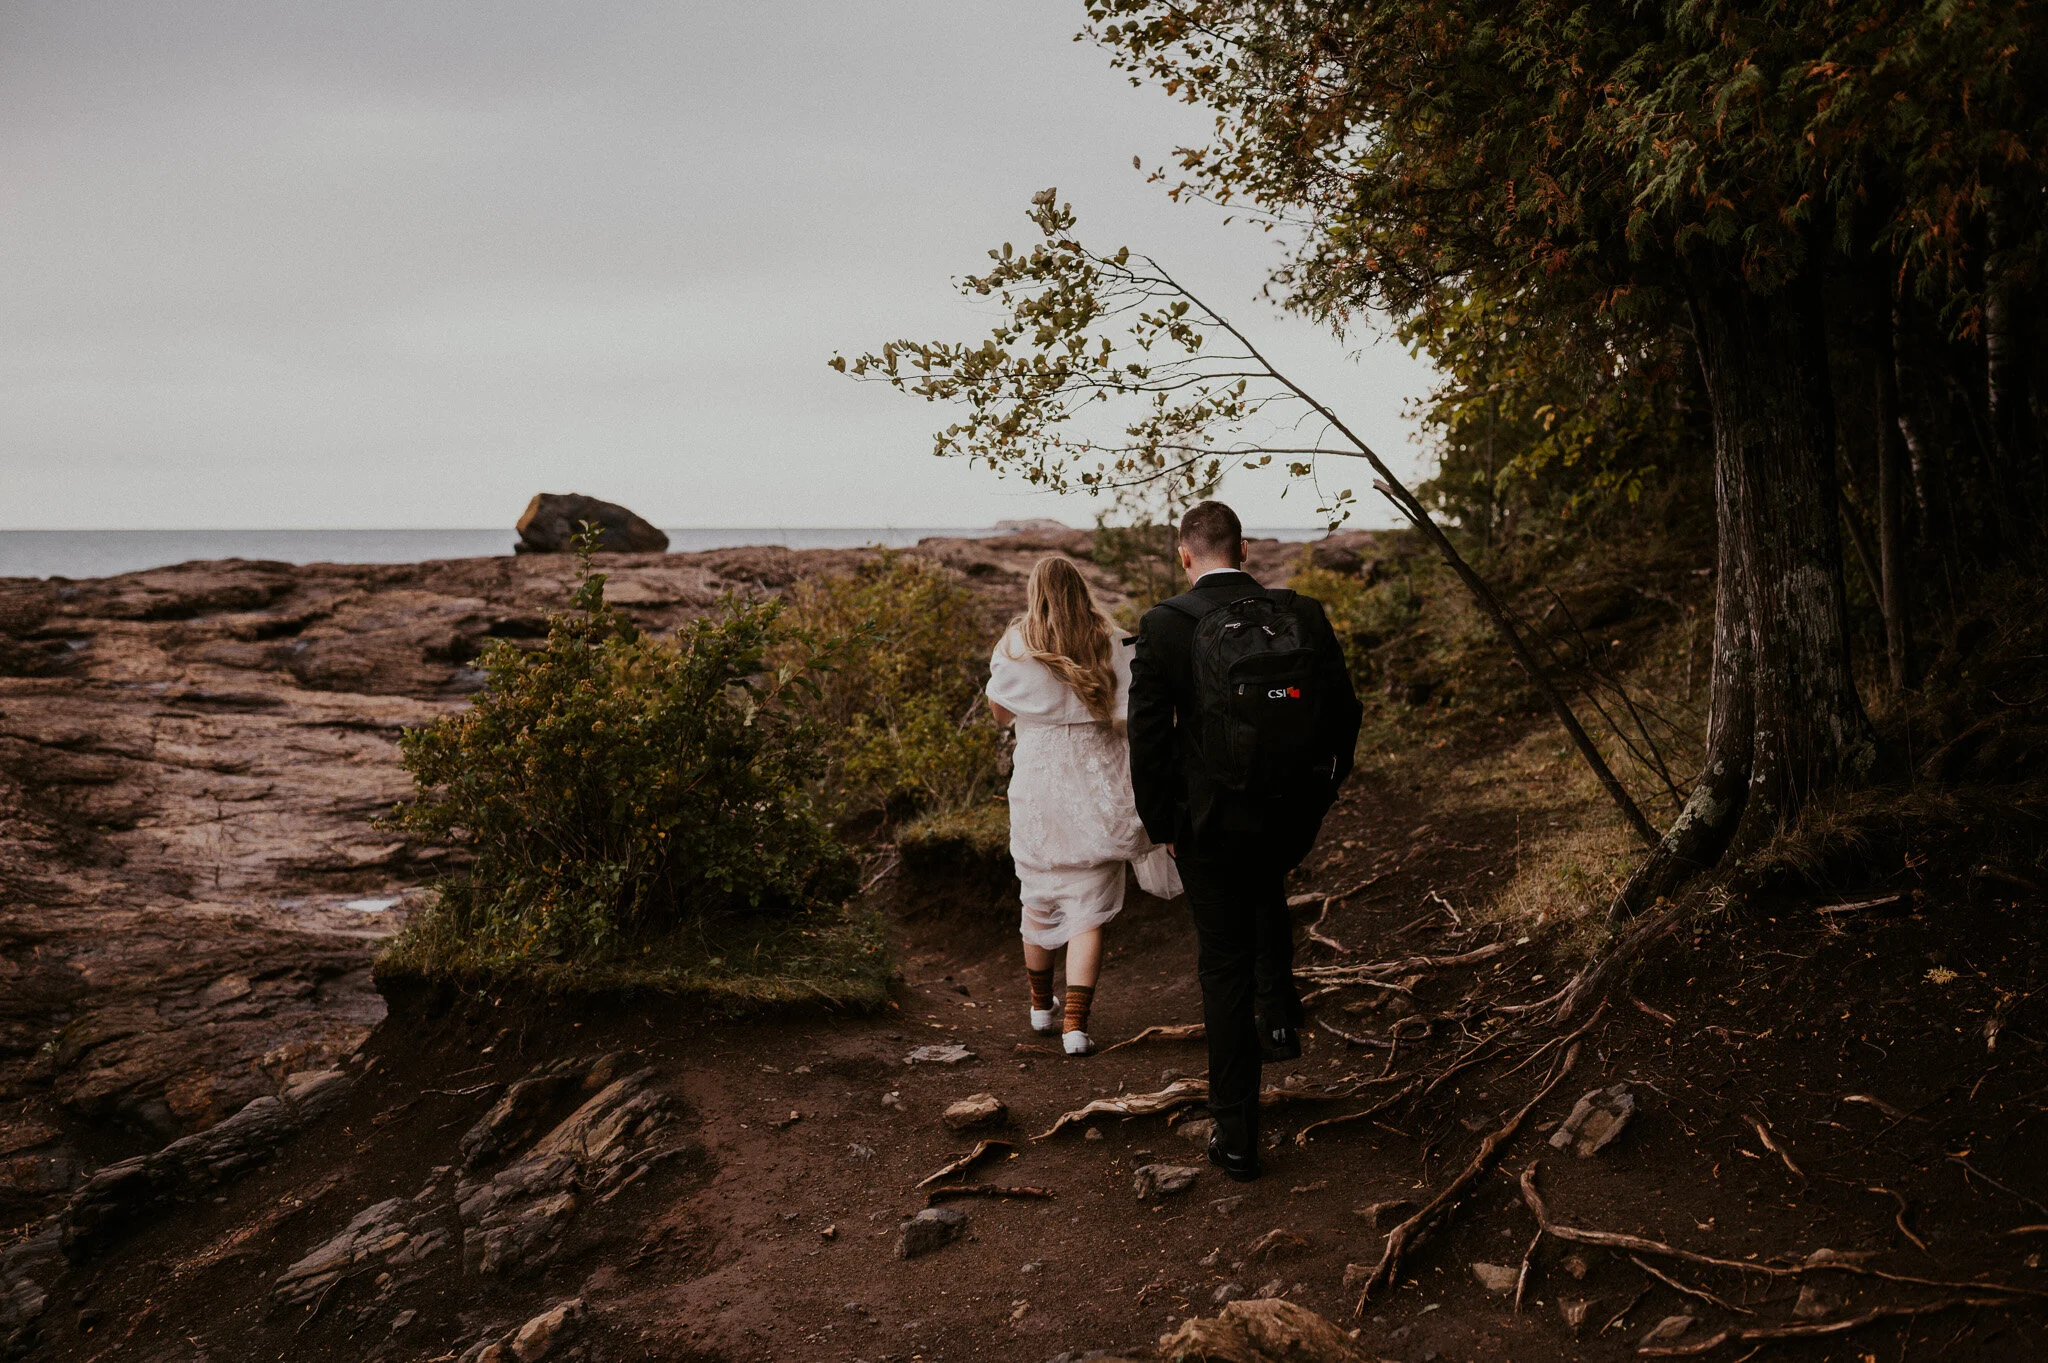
<point x="1176" y="801"/>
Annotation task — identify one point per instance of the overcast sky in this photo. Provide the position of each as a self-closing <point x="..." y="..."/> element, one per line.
<point x="362" y="264"/>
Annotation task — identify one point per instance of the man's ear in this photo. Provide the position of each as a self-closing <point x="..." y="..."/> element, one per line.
<point x="1244" y="551"/>
<point x="1187" y="559"/>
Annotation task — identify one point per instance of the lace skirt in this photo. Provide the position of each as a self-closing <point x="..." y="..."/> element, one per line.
<point x="1074" y="827"/>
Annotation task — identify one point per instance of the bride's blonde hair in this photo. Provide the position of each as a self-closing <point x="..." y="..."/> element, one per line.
<point x="1063" y="628"/>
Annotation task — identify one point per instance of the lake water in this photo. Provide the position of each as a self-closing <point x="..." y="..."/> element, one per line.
<point x="101" y="553"/>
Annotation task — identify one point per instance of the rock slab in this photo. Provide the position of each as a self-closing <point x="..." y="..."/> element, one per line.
<point x="976" y="1110"/>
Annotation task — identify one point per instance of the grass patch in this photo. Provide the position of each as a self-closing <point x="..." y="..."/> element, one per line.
<point x="838" y="957"/>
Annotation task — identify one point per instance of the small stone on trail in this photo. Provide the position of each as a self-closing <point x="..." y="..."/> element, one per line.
<point x="929" y="1230"/>
<point x="1209" y="1260"/>
<point x="1275" y="1243"/>
<point x="981" y="1109"/>
<point x="893" y="1100"/>
<point x="1496" y="1277"/>
<point x="1671" y="1327"/>
<point x="1196" y="1130"/>
<point x="1596" y="1120"/>
<point x="1093" y="1133"/>
<point x="830" y="1232"/>
<point x="1574" y="1312"/>
<point x="857" y="1151"/>
<point x="1813" y="1303"/>
<point x="1276" y="1288"/>
<point x="1576" y="1265"/>
<point x="1227" y="1292"/>
<point x="1033" y="1267"/>
<point x="951" y="1053"/>
<point x="1227" y="1206"/>
<point x="403" y="1319"/>
<point x="1162" y="1180"/>
<point x="1304" y="901"/>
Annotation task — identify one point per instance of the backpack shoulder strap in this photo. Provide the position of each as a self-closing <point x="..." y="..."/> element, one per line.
<point x="1281" y="596"/>
<point x="1194" y="605"/>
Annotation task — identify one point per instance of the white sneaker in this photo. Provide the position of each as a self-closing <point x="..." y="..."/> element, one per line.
<point x="1046" y="1021"/>
<point x="1077" y="1043"/>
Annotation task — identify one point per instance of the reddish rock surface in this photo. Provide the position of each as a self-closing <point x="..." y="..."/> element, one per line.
<point x="191" y="760"/>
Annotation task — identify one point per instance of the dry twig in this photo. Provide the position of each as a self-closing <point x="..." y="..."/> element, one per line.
<point x="1763" y="1133"/>
<point x="1699" y="1292"/>
<point x="938" y="1195"/>
<point x="967" y="1160"/>
<point x="1301" y="1136"/>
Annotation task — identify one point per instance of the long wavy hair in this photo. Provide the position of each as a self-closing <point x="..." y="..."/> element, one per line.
<point x="1063" y="628"/>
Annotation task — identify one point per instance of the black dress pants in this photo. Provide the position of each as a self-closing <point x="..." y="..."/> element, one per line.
<point x="1245" y="959"/>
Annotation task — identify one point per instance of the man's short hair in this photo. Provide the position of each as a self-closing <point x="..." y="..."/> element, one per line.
<point x="1211" y="530"/>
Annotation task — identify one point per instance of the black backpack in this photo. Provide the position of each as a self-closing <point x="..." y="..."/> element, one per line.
<point x="1256" y="691"/>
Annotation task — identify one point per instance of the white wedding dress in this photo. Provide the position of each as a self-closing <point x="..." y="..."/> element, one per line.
<point x="1073" y="821"/>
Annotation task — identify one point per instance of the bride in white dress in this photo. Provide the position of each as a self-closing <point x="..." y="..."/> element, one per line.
<point x="1062" y="674"/>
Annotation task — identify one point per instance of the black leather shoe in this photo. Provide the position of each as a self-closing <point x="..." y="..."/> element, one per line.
<point x="1278" y="1045"/>
<point x="1234" y="1144"/>
<point x="1241" y="1167"/>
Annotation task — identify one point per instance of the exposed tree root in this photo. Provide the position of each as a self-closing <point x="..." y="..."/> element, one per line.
<point x="1371" y="971"/>
<point x="1638" y="1244"/>
<point x="1180" y="1031"/>
<point x="1811" y="1329"/>
<point x="1301" y="1136"/>
<point x="1700" y="1293"/>
<point x="1399" y="1238"/>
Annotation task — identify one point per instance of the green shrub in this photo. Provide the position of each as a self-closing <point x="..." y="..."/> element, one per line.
<point x="619" y="795"/>
<point x="1365" y="615"/>
<point x="902" y="704"/>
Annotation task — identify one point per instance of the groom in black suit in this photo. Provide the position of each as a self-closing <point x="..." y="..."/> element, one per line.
<point x="1234" y="848"/>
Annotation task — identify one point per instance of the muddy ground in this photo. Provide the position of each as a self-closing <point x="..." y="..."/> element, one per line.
<point x="1805" y="1076"/>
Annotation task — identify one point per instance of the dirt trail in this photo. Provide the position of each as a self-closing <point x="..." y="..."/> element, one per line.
<point x="749" y="1208"/>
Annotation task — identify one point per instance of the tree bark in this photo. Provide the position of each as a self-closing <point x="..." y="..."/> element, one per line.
<point x="1786" y="722"/>
<point x="1893" y="474"/>
<point x="2006" y="342"/>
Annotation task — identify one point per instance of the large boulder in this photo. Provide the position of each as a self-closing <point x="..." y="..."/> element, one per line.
<point x="551" y="520"/>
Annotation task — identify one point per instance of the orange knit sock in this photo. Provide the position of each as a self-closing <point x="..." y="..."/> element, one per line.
<point x="1079" y="996"/>
<point x="1041" y="988"/>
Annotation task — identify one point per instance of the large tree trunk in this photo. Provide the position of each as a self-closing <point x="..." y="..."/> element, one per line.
<point x="1786" y="721"/>
<point x="1893" y="475"/>
<point x="2006" y="342"/>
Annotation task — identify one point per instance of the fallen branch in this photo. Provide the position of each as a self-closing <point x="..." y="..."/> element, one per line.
<point x="1316" y="933"/>
<point x="1180" y="1031"/>
<point x="967" y="1161"/>
<point x="1860" y="905"/>
<point x="1814" y="1328"/>
<point x="938" y="1195"/>
<point x="1567" y="1040"/>
<point x="1399" y="1236"/>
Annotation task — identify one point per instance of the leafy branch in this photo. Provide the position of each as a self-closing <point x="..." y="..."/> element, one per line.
<point x="1083" y="329"/>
